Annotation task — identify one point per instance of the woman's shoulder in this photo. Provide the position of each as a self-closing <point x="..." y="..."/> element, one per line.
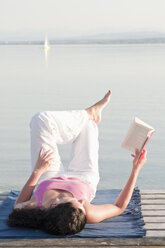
<point x="32" y="203"/>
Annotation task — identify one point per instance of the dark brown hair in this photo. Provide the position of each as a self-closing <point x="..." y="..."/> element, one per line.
<point x="61" y="220"/>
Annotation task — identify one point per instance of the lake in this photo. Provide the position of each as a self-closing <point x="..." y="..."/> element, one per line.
<point x="74" y="77"/>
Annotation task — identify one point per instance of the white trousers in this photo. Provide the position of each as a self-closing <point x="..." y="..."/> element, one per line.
<point x="50" y="128"/>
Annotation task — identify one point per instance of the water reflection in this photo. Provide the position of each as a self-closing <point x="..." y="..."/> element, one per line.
<point x="46" y="51"/>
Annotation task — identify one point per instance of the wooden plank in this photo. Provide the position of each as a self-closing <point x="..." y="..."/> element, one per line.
<point x="155" y="233"/>
<point x="98" y="242"/>
<point x="93" y="246"/>
<point x="152" y="219"/>
<point x="4" y="193"/>
<point x="153" y="213"/>
<point x="152" y="207"/>
<point x="155" y="226"/>
<point x="153" y="202"/>
<point x="153" y="196"/>
<point x="153" y="191"/>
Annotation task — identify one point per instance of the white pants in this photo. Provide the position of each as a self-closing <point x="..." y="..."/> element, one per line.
<point x="50" y="128"/>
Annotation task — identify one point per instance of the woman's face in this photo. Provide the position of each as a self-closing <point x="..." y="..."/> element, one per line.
<point x="76" y="203"/>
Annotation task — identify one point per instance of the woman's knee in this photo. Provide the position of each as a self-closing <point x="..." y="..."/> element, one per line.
<point x="37" y="119"/>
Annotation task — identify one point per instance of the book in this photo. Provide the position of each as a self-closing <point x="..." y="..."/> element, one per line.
<point x="137" y="136"/>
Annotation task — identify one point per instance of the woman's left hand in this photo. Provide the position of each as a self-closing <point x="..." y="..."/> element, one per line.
<point x="44" y="161"/>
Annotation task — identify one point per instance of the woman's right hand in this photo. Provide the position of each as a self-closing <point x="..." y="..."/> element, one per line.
<point x="44" y="161"/>
<point x="138" y="163"/>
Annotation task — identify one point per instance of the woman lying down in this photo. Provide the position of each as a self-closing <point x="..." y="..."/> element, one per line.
<point x="58" y="201"/>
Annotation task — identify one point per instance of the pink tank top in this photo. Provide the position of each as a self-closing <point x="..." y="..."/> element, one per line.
<point x="78" y="188"/>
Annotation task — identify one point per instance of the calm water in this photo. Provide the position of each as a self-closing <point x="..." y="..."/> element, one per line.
<point x="74" y="77"/>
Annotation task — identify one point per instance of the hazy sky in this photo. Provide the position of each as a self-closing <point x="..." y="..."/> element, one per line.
<point x="20" y="18"/>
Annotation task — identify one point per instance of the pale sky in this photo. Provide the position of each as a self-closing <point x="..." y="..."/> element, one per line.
<point x="23" y="18"/>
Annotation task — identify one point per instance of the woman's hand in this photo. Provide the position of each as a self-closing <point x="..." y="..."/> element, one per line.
<point x="43" y="162"/>
<point x="139" y="162"/>
<point x="42" y="165"/>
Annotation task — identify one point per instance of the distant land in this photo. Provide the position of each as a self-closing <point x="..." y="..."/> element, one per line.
<point x="102" y="38"/>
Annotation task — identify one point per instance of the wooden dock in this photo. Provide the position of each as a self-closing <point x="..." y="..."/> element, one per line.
<point x="153" y="210"/>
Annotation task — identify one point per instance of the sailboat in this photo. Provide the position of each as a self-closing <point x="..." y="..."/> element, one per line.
<point x="46" y="43"/>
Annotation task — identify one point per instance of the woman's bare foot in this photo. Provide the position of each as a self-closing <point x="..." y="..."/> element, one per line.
<point x="94" y="112"/>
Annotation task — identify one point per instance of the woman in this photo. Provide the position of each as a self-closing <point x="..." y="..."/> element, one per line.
<point x="58" y="201"/>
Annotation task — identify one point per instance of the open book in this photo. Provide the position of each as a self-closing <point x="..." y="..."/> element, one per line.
<point x="137" y="136"/>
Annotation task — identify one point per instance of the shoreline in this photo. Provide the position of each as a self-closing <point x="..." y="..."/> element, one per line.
<point x="89" y="42"/>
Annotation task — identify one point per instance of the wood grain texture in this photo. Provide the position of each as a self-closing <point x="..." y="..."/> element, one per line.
<point x="95" y="242"/>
